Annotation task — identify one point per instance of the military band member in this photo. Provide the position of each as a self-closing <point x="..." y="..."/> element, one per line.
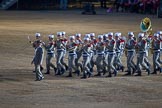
<point x="93" y="41"/>
<point x="160" y="38"/>
<point x="60" y="47"/>
<point x="118" y="49"/>
<point x="141" y="54"/>
<point x="71" y="48"/>
<point x="64" y="41"/>
<point x="130" y="46"/>
<point x="38" y="58"/>
<point x="105" y="39"/>
<point x="50" y="54"/>
<point x="111" y="54"/>
<point x="79" y="43"/>
<point x="86" y="48"/>
<point x="156" y="52"/>
<point x="37" y="37"/>
<point x="100" y="48"/>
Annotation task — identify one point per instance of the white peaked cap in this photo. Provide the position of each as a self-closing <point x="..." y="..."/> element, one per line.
<point x="78" y="35"/>
<point x="72" y="37"/>
<point x="59" y="33"/>
<point x="87" y="39"/>
<point x="156" y="35"/>
<point x="87" y="35"/>
<point x="159" y="32"/>
<point x="63" y="33"/>
<point x="51" y="36"/>
<point x="92" y="34"/>
<point x="105" y="35"/>
<point x="131" y="34"/>
<point x="37" y="34"/>
<point x="141" y="35"/>
<point x="118" y="34"/>
<point x="100" y="36"/>
<point x="110" y="34"/>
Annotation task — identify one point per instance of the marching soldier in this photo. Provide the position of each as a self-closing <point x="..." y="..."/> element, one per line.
<point x="105" y="39"/>
<point x="111" y="54"/>
<point x="100" y="48"/>
<point x="90" y="65"/>
<point x="79" y="43"/>
<point x="93" y="41"/>
<point x="38" y="37"/>
<point x="37" y="60"/>
<point x="64" y="41"/>
<point x="118" y="49"/>
<point x="130" y="46"/>
<point x="50" y="54"/>
<point x="141" y="54"/>
<point x="60" y="53"/>
<point x="71" y="47"/>
<point x="86" y="48"/>
<point x="160" y="38"/>
<point x="156" y="52"/>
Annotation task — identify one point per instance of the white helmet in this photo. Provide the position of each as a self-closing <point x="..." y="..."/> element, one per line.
<point x="37" y="34"/>
<point x="51" y="36"/>
<point x="117" y="34"/>
<point x="87" y="35"/>
<point x="59" y="33"/>
<point x="131" y="34"/>
<point x="105" y="35"/>
<point x="72" y="37"/>
<point x="78" y="35"/>
<point x="159" y="32"/>
<point x="86" y="39"/>
<point x="110" y="34"/>
<point x="100" y="37"/>
<point x="92" y="34"/>
<point x="156" y="35"/>
<point x="63" y="33"/>
<point x="140" y="35"/>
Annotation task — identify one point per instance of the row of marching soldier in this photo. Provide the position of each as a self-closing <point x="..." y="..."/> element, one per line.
<point x="105" y="52"/>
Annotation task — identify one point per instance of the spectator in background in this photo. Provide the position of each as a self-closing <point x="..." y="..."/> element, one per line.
<point x="103" y="3"/>
<point x="119" y="5"/>
<point x="149" y="6"/>
<point x="141" y="6"/>
<point x="155" y="6"/>
<point x="63" y="4"/>
<point x="126" y="5"/>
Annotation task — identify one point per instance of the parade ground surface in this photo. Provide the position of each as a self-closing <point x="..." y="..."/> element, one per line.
<point x="18" y="88"/>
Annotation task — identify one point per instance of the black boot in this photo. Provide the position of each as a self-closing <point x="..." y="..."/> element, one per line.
<point x="115" y="72"/>
<point x="134" y="71"/>
<point x="155" y="72"/>
<point x="66" y="67"/>
<point x="98" y="74"/>
<point x="41" y="68"/>
<point x="77" y="72"/>
<point x="122" y="68"/>
<point x="138" y="74"/>
<point x="84" y="76"/>
<point x="62" y="71"/>
<point x="110" y="75"/>
<point x="128" y="73"/>
<point x="148" y="71"/>
<point x="55" y="69"/>
<point x="58" y="72"/>
<point x="89" y="74"/>
<point x="160" y="69"/>
<point x="48" y="72"/>
<point x="104" y="71"/>
<point x="70" y="74"/>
